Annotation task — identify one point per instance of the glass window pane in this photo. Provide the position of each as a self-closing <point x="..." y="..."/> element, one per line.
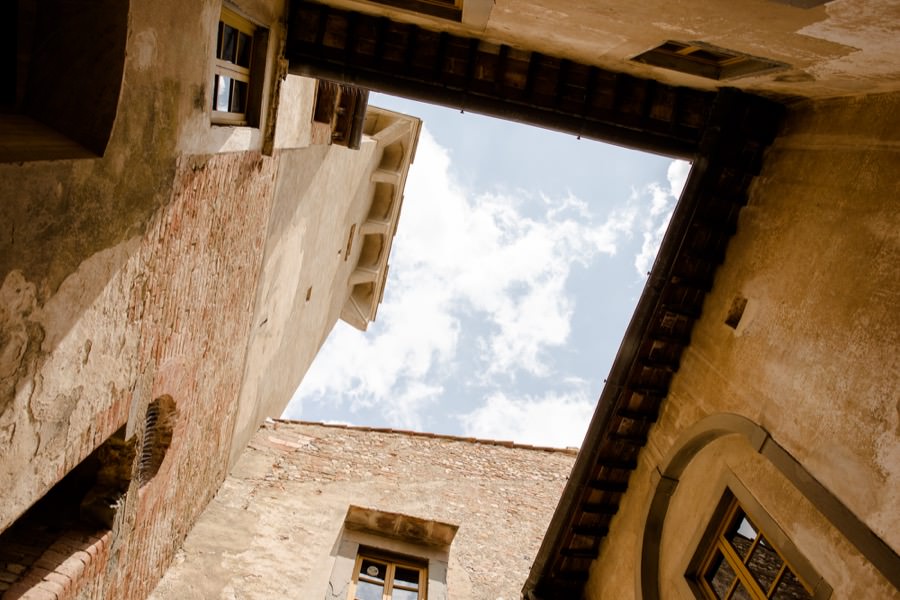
<point x="239" y="97"/>
<point x="404" y="595"/>
<point x="229" y="40"/>
<point x="244" y="43"/>
<point x="790" y="588"/>
<point x="764" y="564"/>
<point x="222" y="98"/>
<point x="740" y="593"/>
<point x="407" y="577"/>
<point x="720" y="575"/>
<point x="373" y="570"/>
<point x="368" y="591"/>
<point x="741" y="534"/>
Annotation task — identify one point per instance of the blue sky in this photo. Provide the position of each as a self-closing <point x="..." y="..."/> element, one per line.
<point x="519" y="257"/>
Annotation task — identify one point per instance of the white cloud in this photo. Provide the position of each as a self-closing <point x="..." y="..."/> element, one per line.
<point x="552" y="420"/>
<point x="497" y="263"/>
<point x="662" y="203"/>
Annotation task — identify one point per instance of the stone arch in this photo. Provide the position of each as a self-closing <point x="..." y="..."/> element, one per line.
<point x="714" y="427"/>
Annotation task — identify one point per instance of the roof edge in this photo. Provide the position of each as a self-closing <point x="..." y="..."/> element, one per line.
<point x="425" y="434"/>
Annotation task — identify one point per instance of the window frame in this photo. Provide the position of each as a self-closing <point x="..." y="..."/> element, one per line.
<point x="392" y="561"/>
<point x="451" y="10"/>
<point x="705" y="60"/>
<point x="251" y="76"/>
<point x="713" y="542"/>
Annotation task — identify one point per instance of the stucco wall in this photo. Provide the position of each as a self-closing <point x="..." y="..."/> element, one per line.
<point x="133" y="275"/>
<point x="323" y="197"/>
<point x="273" y="529"/>
<point x="813" y="360"/>
<point x="320" y="193"/>
<point x="841" y="47"/>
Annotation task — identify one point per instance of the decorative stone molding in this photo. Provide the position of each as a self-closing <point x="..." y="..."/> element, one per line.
<point x="400" y="526"/>
<point x="396" y="136"/>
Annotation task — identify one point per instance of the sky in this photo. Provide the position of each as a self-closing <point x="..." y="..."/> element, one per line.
<point x="519" y="257"/>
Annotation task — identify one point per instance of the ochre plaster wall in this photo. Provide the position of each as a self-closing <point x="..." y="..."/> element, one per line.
<point x="813" y="360"/>
<point x="133" y="275"/>
<point x="842" y="47"/>
<point x="275" y="526"/>
<point x="323" y="195"/>
<point x="320" y="192"/>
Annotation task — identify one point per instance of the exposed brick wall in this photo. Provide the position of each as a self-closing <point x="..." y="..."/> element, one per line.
<point x="282" y="508"/>
<point x="64" y="571"/>
<point x="202" y="260"/>
<point x="185" y="295"/>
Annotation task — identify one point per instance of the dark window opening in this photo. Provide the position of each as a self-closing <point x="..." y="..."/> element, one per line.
<point x="80" y="506"/>
<point x="704" y="60"/>
<point x="343" y="107"/>
<point x="61" y="64"/>
<point x="736" y="311"/>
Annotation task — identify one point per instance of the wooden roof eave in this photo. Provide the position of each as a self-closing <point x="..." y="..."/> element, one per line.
<point x="739" y="130"/>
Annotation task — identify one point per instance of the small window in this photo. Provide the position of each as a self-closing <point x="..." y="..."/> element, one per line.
<point x="738" y="560"/>
<point x="385" y="577"/>
<point x="343" y="108"/>
<point x="703" y="60"/>
<point x="239" y="69"/>
<point x="443" y="9"/>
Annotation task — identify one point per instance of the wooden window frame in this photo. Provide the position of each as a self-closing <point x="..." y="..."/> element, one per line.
<point x="713" y="543"/>
<point x="705" y="60"/>
<point x="252" y="76"/>
<point x="443" y="9"/>
<point x="392" y="561"/>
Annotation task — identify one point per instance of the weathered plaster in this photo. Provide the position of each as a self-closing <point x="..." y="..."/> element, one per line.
<point x="275" y="527"/>
<point x="813" y="360"/>
<point x="845" y="47"/>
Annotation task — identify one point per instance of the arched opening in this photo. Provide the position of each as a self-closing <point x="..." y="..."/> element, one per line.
<point x="715" y="427"/>
<point x="76" y="513"/>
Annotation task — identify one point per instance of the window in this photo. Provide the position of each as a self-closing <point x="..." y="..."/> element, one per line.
<point x="443" y="9"/>
<point x="239" y="66"/>
<point x="703" y="60"/>
<point x="159" y="424"/>
<point x="390" y="556"/>
<point x="384" y="577"/>
<point x="737" y="560"/>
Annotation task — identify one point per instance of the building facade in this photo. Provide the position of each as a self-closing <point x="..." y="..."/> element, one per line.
<point x="744" y="398"/>
<point x="306" y="500"/>
<point x="174" y="210"/>
<point x="158" y="170"/>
